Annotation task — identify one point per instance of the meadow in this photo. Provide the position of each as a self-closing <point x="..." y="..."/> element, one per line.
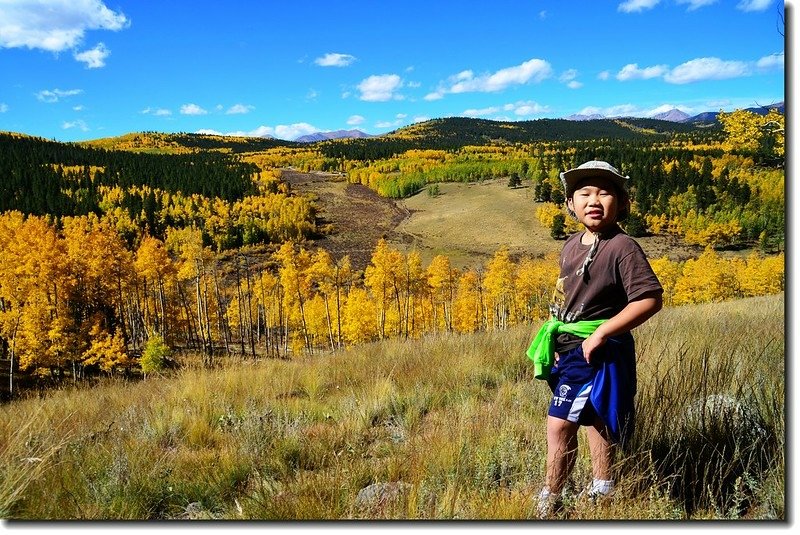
<point x="443" y="427"/>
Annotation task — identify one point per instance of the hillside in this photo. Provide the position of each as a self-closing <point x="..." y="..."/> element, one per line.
<point x="482" y="131"/>
<point x="447" y="133"/>
<point x="181" y="143"/>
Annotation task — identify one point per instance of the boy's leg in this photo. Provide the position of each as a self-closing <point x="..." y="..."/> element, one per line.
<point x="601" y="449"/>
<point x="562" y="449"/>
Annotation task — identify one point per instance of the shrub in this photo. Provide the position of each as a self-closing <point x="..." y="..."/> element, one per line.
<point x="155" y="355"/>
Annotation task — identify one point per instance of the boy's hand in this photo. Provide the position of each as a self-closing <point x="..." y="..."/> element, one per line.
<point x="595" y="340"/>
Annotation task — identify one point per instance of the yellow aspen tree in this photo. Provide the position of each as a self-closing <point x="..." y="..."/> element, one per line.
<point x="746" y="130"/>
<point x="413" y="289"/>
<point x="317" y="321"/>
<point x="323" y="274"/>
<point x="533" y="284"/>
<point x="343" y="279"/>
<point x="668" y="273"/>
<point x="242" y="294"/>
<point x="155" y="270"/>
<point x="442" y="281"/>
<point x="194" y="263"/>
<point x="101" y="264"/>
<point x="382" y="277"/>
<point x="759" y="275"/>
<point x="296" y="284"/>
<point x="499" y="285"/>
<point x="269" y="302"/>
<point x="35" y="290"/>
<point x="705" y="279"/>
<point x="468" y="306"/>
<point x="360" y="315"/>
<point x="107" y="350"/>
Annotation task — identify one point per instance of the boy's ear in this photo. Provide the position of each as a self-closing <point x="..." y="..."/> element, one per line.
<point x="569" y="204"/>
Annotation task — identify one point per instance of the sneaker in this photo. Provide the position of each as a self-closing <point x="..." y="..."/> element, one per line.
<point x="548" y="504"/>
<point x="596" y="491"/>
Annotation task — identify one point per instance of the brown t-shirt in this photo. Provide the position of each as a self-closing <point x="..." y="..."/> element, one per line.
<point x="619" y="274"/>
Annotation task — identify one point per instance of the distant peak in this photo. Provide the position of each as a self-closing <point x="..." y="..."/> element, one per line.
<point x="675" y="115"/>
<point x="336" y="134"/>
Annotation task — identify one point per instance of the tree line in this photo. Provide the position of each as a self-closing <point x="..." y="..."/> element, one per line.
<point x="77" y="300"/>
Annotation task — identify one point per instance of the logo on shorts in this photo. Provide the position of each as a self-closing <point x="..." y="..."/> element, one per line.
<point x="563" y="390"/>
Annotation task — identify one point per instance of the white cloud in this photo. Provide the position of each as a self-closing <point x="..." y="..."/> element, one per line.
<point x="568" y="78"/>
<point x="627" y="110"/>
<point x="399" y="119"/>
<point x="420" y="119"/>
<point x="158" y="112"/>
<point x="288" y="132"/>
<point x="79" y="107"/>
<point x="57" y="25"/>
<point x="79" y="124"/>
<point x="523" y="108"/>
<point x="192" y="109"/>
<point x="481" y="112"/>
<point x="770" y="62"/>
<point x="56" y="94"/>
<point x="3" y="107"/>
<point x="528" y="108"/>
<point x="436" y="95"/>
<point x="604" y="75"/>
<point x="706" y="69"/>
<point x="355" y="120"/>
<point x="591" y="110"/>
<point x="239" y="109"/>
<point x="293" y="131"/>
<point x="620" y="110"/>
<point x="753" y="5"/>
<point x="94" y="58"/>
<point x="534" y="70"/>
<point x="634" y="6"/>
<point x="380" y="88"/>
<point x="568" y="75"/>
<point x="633" y="72"/>
<point x="696" y="4"/>
<point x="334" y="59"/>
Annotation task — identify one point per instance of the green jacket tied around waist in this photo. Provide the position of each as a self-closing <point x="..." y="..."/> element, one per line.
<point x="542" y="349"/>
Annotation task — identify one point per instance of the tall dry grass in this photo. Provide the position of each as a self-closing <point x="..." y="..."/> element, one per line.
<point x="452" y="426"/>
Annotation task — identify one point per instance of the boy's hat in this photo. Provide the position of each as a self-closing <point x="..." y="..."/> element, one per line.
<point x="571" y="178"/>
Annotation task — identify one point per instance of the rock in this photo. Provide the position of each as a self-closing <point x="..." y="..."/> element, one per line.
<point x="723" y="412"/>
<point x="379" y="496"/>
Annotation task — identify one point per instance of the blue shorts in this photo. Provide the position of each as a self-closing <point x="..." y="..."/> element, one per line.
<point x="573" y="379"/>
<point x="571" y="383"/>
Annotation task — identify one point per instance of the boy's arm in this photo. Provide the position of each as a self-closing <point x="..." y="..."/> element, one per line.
<point x="634" y="314"/>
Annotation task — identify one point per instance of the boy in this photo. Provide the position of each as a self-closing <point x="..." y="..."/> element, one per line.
<point x="605" y="288"/>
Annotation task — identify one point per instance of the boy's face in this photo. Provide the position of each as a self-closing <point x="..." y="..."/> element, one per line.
<point x="595" y="203"/>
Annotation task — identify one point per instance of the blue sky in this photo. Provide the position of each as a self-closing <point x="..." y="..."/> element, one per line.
<point x="74" y="70"/>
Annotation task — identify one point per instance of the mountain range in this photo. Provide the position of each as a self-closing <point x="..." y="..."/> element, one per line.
<point x="677" y="116"/>
<point x="674" y="115"/>
<point x="337" y="134"/>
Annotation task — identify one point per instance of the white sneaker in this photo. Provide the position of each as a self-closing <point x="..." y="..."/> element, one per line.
<point x="547" y="504"/>
<point x="597" y="490"/>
